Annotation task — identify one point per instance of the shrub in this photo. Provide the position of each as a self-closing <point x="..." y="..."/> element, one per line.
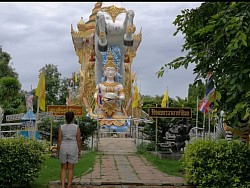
<point x="216" y="164"/>
<point x="150" y="146"/>
<point x="20" y="161"/>
<point x="141" y="149"/>
<point x="145" y="147"/>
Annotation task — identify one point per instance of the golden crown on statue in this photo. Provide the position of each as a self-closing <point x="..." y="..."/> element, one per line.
<point x="110" y="61"/>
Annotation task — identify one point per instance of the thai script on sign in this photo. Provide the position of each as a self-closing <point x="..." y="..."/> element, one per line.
<point x="14" y="117"/>
<point x="18" y="117"/>
<point x="170" y="112"/>
<point x="60" y="110"/>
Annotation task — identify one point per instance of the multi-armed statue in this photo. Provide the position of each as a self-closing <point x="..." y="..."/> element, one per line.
<point x="106" y="46"/>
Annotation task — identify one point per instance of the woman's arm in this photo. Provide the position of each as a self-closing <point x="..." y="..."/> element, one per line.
<point x="78" y="139"/>
<point x="59" y="140"/>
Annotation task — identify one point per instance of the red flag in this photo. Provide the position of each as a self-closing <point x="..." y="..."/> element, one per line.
<point x="204" y="106"/>
<point x="210" y="95"/>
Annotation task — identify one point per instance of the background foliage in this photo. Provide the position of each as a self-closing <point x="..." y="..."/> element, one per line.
<point x="217" y="39"/>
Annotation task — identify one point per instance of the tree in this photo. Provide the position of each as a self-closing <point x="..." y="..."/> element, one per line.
<point x="56" y="88"/>
<point x="12" y="99"/>
<point x="63" y="91"/>
<point x="52" y="84"/>
<point x="6" y="68"/>
<point x="216" y="40"/>
<point x="87" y="126"/>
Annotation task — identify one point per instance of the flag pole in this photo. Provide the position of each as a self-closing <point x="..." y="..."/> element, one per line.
<point x="156" y="132"/>
<point x="38" y="101"/>
<point x="204" y="117"/>
<point x="215" y="118"/>
<point x="197" y="113"/>
<point x="51" y="128"/>
<point x="209" y="124"/>
<point x="37" y="115"/>
<point x="168" y="98"/>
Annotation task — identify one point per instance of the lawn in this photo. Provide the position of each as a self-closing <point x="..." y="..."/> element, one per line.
<point x="51" y="169"/>
<point x="167" y="166"/>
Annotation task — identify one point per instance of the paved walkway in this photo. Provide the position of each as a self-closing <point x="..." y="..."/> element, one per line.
<point x="117" y="166"/>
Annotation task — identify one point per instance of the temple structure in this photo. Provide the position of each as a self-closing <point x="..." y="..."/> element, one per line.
<point x="108" y="34"/>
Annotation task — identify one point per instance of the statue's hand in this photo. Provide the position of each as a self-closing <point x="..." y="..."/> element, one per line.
<point x="110" y="97"/>
<point x="130" y="14"/>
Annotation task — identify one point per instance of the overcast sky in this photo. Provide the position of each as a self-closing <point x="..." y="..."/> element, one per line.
<point x="36" y="34"/>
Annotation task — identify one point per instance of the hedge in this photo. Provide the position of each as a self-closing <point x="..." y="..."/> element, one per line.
<point x="217" y="164"/>
<point x="20" y="160"/>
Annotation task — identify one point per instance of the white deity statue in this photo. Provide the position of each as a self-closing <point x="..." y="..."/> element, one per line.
<point x="113" y="30"/>
<point x="112" y="95"/>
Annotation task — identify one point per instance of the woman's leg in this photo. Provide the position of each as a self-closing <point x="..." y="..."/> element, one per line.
<point x="63" y="174"/>
<point x="70" y="174"/>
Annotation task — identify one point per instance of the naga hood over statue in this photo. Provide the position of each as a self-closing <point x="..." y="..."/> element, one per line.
<point x="106" y="45"/>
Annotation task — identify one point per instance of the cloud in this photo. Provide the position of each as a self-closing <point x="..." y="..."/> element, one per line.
<point x="36" y="34"/>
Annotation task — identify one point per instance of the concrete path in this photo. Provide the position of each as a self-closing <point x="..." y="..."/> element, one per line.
<point x="117" y="166"/>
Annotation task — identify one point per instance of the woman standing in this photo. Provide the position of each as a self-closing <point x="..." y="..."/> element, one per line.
<point x="69" y="147"/>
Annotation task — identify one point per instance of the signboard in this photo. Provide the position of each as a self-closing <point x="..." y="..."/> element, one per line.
<point x="170" y="112"/>
<point x="60" y="110"/>
<point x="18" y="117"/>
<point x="14" y="117"/>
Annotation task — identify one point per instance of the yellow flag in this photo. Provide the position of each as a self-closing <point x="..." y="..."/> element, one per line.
<point x="75" y="77"/>
<point x="164" y="100"/>
<point x="135" y="97"/>
<point x="40" y="91"/>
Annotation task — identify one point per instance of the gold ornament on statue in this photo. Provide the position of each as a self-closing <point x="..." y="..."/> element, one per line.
<point x="110" y="61"/>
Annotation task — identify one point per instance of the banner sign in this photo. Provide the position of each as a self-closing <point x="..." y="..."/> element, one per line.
<point x="60" y="110"/>
<point x="170" y="112"/>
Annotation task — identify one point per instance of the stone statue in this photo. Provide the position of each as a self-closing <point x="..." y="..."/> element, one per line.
<point x="114" y="28"/>
<point x="111" y="94"/>
<point x="181" y="132"/>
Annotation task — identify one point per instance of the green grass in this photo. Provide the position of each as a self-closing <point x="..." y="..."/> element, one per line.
<point x="168" y="166"/>
<point x="51" y="169"/>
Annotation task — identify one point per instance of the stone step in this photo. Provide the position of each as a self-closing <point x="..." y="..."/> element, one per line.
<point x="122" y="185"/>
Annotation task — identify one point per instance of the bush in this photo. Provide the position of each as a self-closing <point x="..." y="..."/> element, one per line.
<point x="150" y="146"/>
<point x="145" y="147"/>
<point x="141" y="149"/>
<point x="20" y="161"/>
<point x="216" y="164"/>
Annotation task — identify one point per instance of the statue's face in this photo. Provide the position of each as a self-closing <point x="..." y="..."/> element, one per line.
<point x="110" y="72"/>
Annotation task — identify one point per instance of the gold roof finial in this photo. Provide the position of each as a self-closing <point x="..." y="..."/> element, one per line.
<point x="113" y="11"/>
<point x="110" y="61"/>
<point x="81" y="25"/>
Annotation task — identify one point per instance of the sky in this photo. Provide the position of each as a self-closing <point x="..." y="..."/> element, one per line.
<point x="36" y="34"/>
